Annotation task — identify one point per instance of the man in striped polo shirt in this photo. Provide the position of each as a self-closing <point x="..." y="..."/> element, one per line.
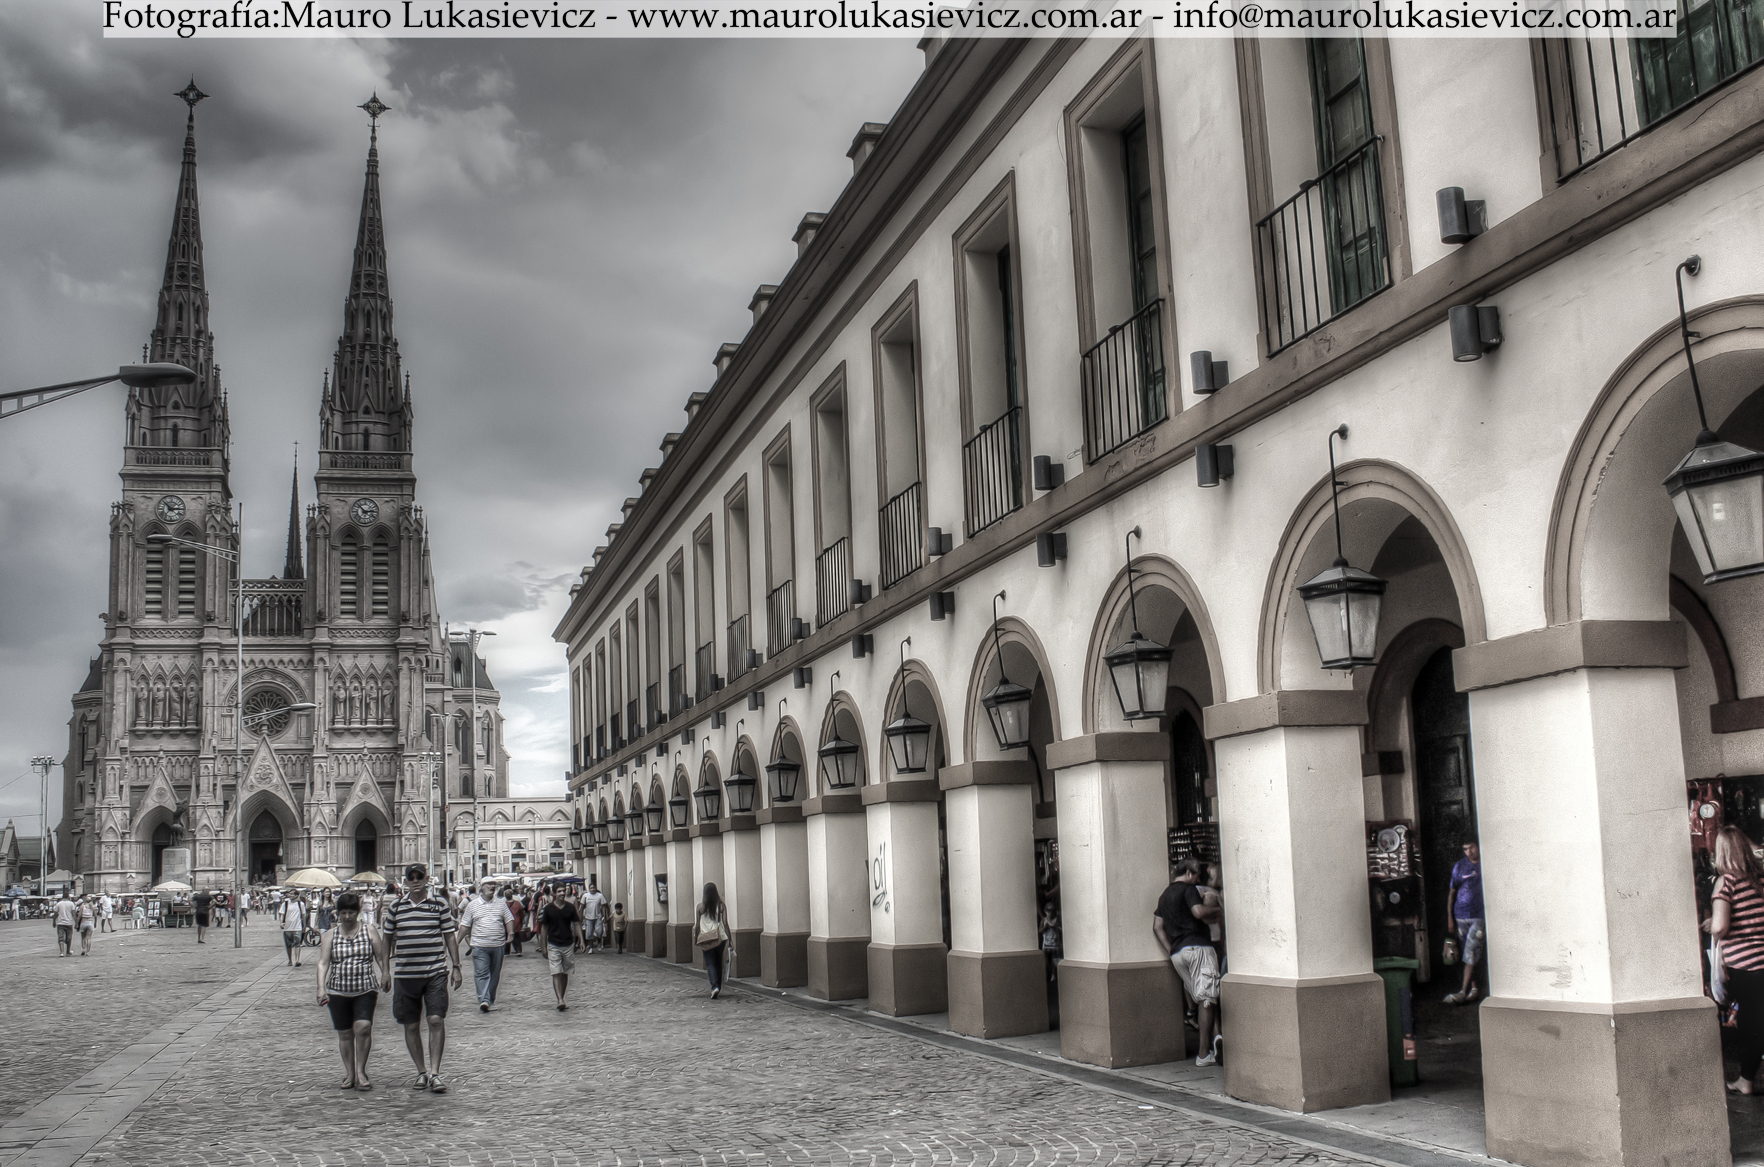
<point x="420" y="932"/>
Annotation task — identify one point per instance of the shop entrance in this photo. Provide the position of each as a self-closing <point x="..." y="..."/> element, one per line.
<point x="366" y="846"/>
<point x="1446" y="794"/>
<point x="266" y="848"/>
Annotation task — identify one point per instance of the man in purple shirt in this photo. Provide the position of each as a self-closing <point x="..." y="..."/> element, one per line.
<point x="1464" y="919"/>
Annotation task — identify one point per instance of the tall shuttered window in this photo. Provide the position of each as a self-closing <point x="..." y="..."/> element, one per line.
<point x="382" y="582"/>
<point x="349" y="578"/>
<point x="1716" y="40"/>
<point x="153" y="603"/>
<point x="186" y="583"/>
<point x="1137" y="162"/>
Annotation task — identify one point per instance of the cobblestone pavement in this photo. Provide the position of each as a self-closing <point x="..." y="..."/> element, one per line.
<point x="643" y="1069"/>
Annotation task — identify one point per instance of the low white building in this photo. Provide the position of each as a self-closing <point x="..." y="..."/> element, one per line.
<point x="519" y="835"/>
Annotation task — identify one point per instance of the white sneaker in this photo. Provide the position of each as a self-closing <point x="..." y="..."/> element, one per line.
<point x="715" y="991"/>
<point x="1207" y="1059"/>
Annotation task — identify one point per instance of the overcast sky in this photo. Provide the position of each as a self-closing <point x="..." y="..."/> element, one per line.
<point x="572" y="229"/>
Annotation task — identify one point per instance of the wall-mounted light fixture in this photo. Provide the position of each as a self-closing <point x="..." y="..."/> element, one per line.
<point x="942" y="605"/>
<point x="708" y="796"/>
<point x="1208" y="375"/>
<point x="1048" y="473"/>
<point x="661" y="749"/>
<point x="756" y="700"/>
<point x="616" y="827"/>
<point x="1050" y="548"/>
<point x="719" y="719"/>
<point x="909" y="739"/>
<point x="860" y="593"/>
<point x="939" y="542"/>
<point x="799" y="628"/>
<point x="1718" y="489"/>
<point x="686" y="736"/>
<point x="1213" y="464"/>
<point x="1342" y="601"/>
<point x="1006" y="703"/>
<point x="862" y="645"/>
<point x="839" y="758"/>
<point x="1460" y="219"/>
<point x="1140" y="667"/>
<point x="1476" y="329"/>
<point x="739" y="785"/>
<point x="802" y="676"/>
<point x="716" y="682"/>
<point x="754" y="659"/>
<point x="783" y="772"/>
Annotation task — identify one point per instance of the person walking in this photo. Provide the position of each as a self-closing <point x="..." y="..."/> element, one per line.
<point x="1181" y="927"/>
<point x="204" y="905"/>
<point x="66" y="917"/>
<point x="1464" y="920"/>
<point x="711" y="934"/>
<point x="419" y="931"/>
<point x="519" y="911"/>
<point x="618" y="929"/>
<point x="139" y="915"/>
<point x="88" y="924"/>
<point x="348" y="984"/>
<point x="1738" y="925"/>
<point x="242" y="899"/>
<point x="593" y="907"/>
<point x="488" y="926"/>
<point x="560" y="931"/>
<point x="292" y="916"/>
<point x="106" y="913"/>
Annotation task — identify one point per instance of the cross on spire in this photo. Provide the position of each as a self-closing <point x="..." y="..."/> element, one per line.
<point x="375" y="107"/>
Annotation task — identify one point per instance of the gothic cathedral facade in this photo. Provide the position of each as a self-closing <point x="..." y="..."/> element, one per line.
<point x="354" y="696"/>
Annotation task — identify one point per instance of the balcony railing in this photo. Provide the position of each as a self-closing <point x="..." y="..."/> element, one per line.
<point x="833" y="582"/>
<point x="704" y="665"/>
<point x="740" y="641"/>
<point x="903" y="535"/>
<point x="652" y="700"/>
<point x="780" y="611"/>
<point x="273" y="607"/>
<point x="1124" y="382"/>
<point x="1323" y="250"/>
<point x="353" y="460"/>
<point x="678" y="701"/>
<point x="160" y="456"/>
<point x="633" y="722"/>
<point x="992" y="465"/>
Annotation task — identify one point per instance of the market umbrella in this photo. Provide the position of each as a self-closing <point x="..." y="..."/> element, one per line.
<point x="172" y="885"/>
<point x="565" y="879"/>
<point x="312" y="877"/>
<point x="367" y="877"/>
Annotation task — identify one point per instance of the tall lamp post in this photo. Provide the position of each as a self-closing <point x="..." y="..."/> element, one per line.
<point x="42" y="764"/>
<point x="134" y="376"/>
<point x="428" y="759"/>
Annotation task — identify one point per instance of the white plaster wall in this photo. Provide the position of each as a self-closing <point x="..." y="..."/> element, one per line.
<point x="656" y="863"/>
<point x="991" y="840"/>
<point x="741" y="871"/>
<point x="683" y="887"/>
<point x="785" y="880"/>
<point x="1467" y="116"/>
<point x="1113" y="860"/>
<point x="707" y="866"/>
<point x="839" y="904"/>
<point x="906" y="887"/>
<point x="638" y="891"/>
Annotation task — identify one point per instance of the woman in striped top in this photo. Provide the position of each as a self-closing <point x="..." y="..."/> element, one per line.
<point x="351" y="965"/>
<point x="1738" y="923"/>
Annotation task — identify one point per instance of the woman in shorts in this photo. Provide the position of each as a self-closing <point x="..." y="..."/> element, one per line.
<point x="351" y="964"/>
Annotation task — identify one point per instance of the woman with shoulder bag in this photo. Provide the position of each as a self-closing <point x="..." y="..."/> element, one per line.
<point x="711" y="934"/>
<point x="1738" y="923"/>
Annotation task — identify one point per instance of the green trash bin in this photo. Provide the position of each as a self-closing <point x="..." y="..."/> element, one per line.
<point x="1399" y="1016"/>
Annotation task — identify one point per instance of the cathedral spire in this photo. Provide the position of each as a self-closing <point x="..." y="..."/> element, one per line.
<point x="182" y="415"/>
<point x="291" y="566"/>
<point x="366" y="409"/>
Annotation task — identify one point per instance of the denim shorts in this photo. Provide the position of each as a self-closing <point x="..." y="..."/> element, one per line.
<point x="1475" y="937"/>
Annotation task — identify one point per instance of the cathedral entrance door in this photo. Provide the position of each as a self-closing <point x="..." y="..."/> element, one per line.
<point x="161" y="840"/>
<point x="366" y="846"/>
<point x="266" y="848"/>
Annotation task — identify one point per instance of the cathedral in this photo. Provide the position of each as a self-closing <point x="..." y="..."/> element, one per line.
<point x="361" y="716"/>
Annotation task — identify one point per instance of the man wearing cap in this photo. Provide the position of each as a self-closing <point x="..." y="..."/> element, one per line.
<point x="419" y="929"/>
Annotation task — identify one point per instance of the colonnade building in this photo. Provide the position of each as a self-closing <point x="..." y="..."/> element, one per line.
<point x="973" y="581"/>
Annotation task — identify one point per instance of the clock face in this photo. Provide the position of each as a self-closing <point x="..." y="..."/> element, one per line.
<point x="365" y="510"/>
<point x="171" y="509"/>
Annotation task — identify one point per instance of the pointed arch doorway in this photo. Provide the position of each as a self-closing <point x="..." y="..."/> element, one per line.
<point x="266" y="847"/>
<point x="367" y="842"/>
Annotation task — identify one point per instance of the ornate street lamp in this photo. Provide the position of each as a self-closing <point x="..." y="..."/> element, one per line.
<point x="1342" y="601"/>
<point x="740" y="786"/>
<point x="839" y="758"/>
<point x="1140" y="667"/>
<point x="602" y="833"/>
<point x="909" y="739"/>
<point x="678" y="807"/>
<point x="709" y="797"/>
<point x="1006" y="703"/>
<point x="784" y="774"/>
<point x="575" y="840"/>
<point x="615" y="827"/>
<point x="634" y="821"/>
<point x="653" y="815"/>
<point x="1718" y="489"/>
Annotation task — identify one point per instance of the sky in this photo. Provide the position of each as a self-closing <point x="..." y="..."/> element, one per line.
<point x="572" y="228"/>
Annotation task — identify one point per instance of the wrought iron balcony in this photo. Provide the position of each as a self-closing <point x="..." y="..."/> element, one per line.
<point x="652" y="701"/>
<point x="833" y="582"/>
<point x="678" y="701"/>
<point x="1124" y="382"/>
<point x="903" y="535"/>
<point x="740" y="642"/>
<point x="780" y="611"/>
<point x="704" y="665"/>
<point x="992" y="466"/>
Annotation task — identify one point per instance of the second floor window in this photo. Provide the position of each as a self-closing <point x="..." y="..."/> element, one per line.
<point x="1716" y="40"/>
<point x="1137" y="162"/>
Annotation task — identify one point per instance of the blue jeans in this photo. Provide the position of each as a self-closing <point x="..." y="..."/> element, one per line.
<point x="486" y="971"/>
<point x="713" y="964"/>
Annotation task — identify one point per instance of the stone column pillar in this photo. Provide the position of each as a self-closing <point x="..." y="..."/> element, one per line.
<point x="656" y="859"/>
<point x="741" y="888"/>
<point x="1598" y="1045"/>
<point x="839" y="901"/>
<point x="1120" y="1004"/>
<point x="616" y="889"/>
<point x="637" y="896"/>
<point x="784" y="896"/>
<point x="682" y="896"/>
<point x="997" y="974"/>
<point x="707" y="867"/>
<point x="1304" y="1016"/>
<point x="908" y="963"/>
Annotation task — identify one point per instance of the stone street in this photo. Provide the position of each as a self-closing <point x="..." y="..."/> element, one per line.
<point x="154" y="1051"/>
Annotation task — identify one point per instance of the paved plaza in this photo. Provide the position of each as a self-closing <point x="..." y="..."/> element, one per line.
<point x="155" y="1051"/>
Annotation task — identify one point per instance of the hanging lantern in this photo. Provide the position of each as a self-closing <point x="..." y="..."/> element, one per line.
<point x="909" y="741"/>
<point x="1007" y="705"/>
<point x="1718" y="491"/>
<point x="575" y="840"/>
<point x="1342" y="604"/>
<point x="784" y="774"/>
<point x="678" y="808"/>
<point x="1140" y="669"/>
<point x="710" y="803"/>
<point x="634" y="821"/>
<point x="601" y="833"/>
<point x="653" y="813"/>
<point x="616" y="825"/>
<point x="740" y="787"/>
<point x="839" y="764"/>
